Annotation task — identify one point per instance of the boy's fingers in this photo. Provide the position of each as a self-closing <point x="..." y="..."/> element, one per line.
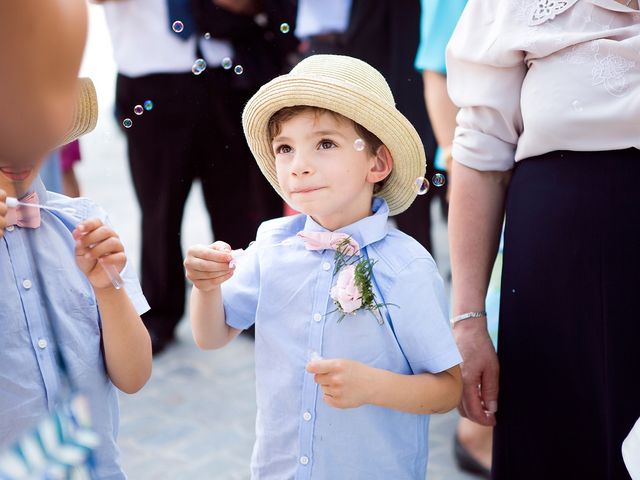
<point x="195" y="276"/>
<point x="109" y="246"/>
<point x="116" y="259"/>
<point x="209" y="253"/>
<point x="321" y="366"/>
<point x="199" y="265"/>
<point x="219" y="245"/>
<point x="88" y="225"/>
<point x="96" y="236"/>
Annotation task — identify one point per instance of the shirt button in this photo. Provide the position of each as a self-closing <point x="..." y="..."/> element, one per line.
<point x="326" y="266"/>
<point x="317" y="317"/>
<point x="27" y="284"/>
<point x="304" y="460"/>
<point x="10" y="228"/>
<point x="306" y="416"/>
<point x="42" y="343"/>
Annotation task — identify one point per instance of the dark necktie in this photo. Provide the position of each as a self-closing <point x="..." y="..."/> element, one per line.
<point x="180" y="11"/>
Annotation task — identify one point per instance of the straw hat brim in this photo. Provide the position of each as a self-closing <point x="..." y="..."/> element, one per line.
<point x="85" y="116"/>
<point x="376" y="115"/>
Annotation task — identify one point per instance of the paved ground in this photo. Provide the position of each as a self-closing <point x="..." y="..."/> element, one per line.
<point x="195" y="418"/>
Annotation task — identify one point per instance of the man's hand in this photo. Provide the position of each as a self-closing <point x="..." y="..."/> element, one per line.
<point x="3" y="211"/>
<point x="208" y="266"/>
<point x="345" y="383"/>
<point x="96" y="243"/>
<point x="480" y="372"/>
<point x="241" y="7"/>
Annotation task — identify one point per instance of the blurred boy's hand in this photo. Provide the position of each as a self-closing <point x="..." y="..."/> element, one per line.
<point x="97" y="243"/>
<point x="208" y="266"/>
<point x="345" y="383"/>
<point x="3" y="212"/>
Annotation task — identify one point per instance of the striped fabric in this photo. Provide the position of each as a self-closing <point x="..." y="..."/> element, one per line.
<point x="60" y="446"/>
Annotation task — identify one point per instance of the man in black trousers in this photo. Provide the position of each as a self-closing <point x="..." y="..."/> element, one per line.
<point x="193" y="127"/>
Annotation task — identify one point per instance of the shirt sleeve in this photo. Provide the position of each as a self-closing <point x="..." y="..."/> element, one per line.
<point x="485" y="76"/>
<point x="241" y="292"/>
<point x="128" y="273"/>
<point x="438" y="19"/>
<point x="420" y="320"/>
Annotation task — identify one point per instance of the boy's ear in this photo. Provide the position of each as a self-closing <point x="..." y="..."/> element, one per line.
<point x="381" y="165"/>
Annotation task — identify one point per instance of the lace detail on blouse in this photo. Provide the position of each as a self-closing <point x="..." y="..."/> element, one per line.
<point x="545" y="10"/>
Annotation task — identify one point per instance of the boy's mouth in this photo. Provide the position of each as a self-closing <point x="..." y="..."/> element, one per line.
<point x="16" y="174"/>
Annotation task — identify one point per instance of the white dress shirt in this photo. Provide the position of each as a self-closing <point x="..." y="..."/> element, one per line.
<point x="316" y="17"/>
<point x="143" y="42"/>
<point x="535" y="76"/>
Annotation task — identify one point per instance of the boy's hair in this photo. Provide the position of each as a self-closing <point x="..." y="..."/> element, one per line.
<point x="274" y="126"/>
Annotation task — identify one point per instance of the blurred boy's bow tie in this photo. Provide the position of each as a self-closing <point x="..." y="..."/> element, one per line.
<point x="26" y="217"/>
<point x="330" y="240"/>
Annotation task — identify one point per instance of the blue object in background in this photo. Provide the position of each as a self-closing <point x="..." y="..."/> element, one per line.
<point x="51" y="172"/>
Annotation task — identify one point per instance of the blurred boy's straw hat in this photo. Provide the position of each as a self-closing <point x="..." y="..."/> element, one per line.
<point x="85" y="114"/>
<point x="351" y="88"/>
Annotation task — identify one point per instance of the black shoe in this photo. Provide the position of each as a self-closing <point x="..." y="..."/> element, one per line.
<point x="466" y="462"/>
<point x="160" y="342"/>
<point x="249" y="332"/>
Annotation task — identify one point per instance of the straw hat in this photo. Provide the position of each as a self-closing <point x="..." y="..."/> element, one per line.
<point x="85" y="114"/>
<point x="351" y="88"/>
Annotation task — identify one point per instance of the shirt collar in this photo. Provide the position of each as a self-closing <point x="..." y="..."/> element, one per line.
<point x="365" y="231"/>
<point x="38" y="187"/>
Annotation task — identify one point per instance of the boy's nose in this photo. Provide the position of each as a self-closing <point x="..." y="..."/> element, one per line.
<point x="300" y="165"/>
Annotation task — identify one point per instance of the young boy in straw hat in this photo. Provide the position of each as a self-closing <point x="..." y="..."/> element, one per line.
<point x="353" y="347"/>
<point x="51" y="273"/>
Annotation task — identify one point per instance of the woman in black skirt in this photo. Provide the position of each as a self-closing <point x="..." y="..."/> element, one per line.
<point x="548" y="135"/>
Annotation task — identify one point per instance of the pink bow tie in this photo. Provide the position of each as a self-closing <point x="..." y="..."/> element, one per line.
<point x="26" y="217"/>
<point x="330" y="240"/>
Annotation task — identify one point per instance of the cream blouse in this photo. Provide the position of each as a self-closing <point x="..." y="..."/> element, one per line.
<point x="534" y="76"/>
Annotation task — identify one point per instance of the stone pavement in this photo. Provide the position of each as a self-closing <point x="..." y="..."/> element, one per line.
<point x="195" y="417"/>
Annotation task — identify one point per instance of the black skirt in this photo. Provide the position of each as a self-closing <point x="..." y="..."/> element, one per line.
<point x="569" y="335"/>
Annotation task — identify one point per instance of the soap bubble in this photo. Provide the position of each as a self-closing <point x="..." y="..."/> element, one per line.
<point x="227" y="63"/>
<point x="438" y="180"/>
<point x="127" y="123"/>
<point x="199" y="66"/>
<point x="284" y="28"/>
<point x="359" y="144"/>
<point x="148" y="105"/>
<point x="576" y="105"/>
<point x="207" y="36"/>
<point x="177" y="26"/>
<point x="421" y="185"/>
<point x="238" y="69"/>
<point x="138" y="110"/>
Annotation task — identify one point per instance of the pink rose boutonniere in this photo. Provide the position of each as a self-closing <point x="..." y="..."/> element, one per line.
<point x="354" y="286"/>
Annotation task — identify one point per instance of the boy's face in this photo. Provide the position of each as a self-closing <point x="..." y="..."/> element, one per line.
<point x="321" y="173"/>
<point x="16" y="180"/>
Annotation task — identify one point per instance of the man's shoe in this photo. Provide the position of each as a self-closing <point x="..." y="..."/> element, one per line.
<point x="466" y="462"/>
<point x="160" y="342"/>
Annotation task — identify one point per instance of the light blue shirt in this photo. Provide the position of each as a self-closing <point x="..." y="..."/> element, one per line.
<point x="33" y="260"/>
<point x="284" y="288"/>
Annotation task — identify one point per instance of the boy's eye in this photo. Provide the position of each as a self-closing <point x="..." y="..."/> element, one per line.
<point x="326" y="144"/>
<point x="283" y="149"/>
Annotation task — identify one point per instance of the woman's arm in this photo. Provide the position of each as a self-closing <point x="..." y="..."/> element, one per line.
<point x="476" y="214"/>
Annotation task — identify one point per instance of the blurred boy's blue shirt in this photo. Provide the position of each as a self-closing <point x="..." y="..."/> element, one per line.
<point x="29" y="375"/>
<point x="285" y="289"/>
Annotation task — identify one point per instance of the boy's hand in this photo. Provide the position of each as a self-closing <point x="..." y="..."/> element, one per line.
<point x="345" y="383"/>
<point x="3" y="211"/>
<point x="208" y="266"/>
<point x="95" y="240"/>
